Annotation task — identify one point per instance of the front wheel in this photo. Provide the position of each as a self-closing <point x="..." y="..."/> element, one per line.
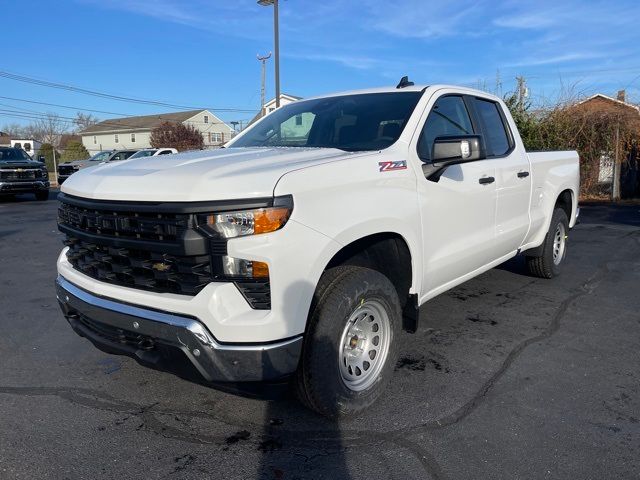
<point x="554" y="248"/>
<point x="42" y="195"/>
<point x="350" y="347"/>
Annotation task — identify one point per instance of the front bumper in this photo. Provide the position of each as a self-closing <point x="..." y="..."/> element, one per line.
<point x="169" y="342"/>
<point x="12" y="187"/>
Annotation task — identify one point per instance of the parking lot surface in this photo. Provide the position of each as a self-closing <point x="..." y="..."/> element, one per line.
<point x="509" y="376"/>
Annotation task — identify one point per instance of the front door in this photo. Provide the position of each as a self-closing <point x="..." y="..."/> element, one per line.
<point x="458" y="210"/>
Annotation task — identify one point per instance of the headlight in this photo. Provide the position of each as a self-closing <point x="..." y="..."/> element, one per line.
<point x="246" y="222"/>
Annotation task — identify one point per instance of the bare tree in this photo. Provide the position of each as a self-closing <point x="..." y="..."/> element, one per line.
<point x="85" y="120"/>
<point x="47" y="129"/>
<point x="13" y="129"/>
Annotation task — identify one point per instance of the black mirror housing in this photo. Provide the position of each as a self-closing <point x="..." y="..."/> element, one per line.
<point x="453" y="150"/>
<point x="459" y="148"/>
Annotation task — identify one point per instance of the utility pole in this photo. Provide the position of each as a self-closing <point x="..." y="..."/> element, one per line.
<point x="55" y="164"/>
<point x="276" y="42"/>
<point x="522" y="92"/>
<point x="263" y="59"/>
<point x="615" y="188"/>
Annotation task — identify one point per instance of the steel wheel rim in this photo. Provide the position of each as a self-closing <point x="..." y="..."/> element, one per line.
<point x="364" y="345"/>
<point x="559" y="242"/>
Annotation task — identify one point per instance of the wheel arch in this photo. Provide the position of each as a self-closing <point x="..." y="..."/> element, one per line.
<point x="389" y="253"/>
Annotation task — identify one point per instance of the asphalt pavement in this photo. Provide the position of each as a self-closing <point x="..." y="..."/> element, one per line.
<point x="508" y="377"/>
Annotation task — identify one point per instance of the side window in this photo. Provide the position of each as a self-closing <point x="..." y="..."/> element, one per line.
<point x="496" y="136"/>
<point x="448" y="117"/>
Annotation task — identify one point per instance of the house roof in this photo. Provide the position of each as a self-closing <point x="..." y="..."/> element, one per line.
<point x="142" y="122"/>
<point x="610" y="99"/>
<point x="285" y="96"/>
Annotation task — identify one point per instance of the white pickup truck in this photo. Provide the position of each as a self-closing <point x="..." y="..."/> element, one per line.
<point x="302" y="249"/>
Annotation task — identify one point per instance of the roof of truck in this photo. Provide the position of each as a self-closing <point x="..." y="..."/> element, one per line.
<point x="412" y="88"/>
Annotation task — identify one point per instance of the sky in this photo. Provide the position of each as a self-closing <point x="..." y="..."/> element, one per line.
<point x="202" y="53"/>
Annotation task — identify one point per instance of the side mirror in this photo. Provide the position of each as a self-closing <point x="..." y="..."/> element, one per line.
<point x="42" y="159"/>
<point x="452" y="150"/>
<point x="458" y="149"/>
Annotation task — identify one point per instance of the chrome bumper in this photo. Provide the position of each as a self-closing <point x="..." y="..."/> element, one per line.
<point x="169" y="342"/>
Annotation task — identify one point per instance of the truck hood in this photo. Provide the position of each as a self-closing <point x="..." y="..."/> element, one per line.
<point x="197" y="176"/>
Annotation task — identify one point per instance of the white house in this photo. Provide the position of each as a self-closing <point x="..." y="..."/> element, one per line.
<point x="134" y="132"/>
<point x="270" y="106"/>
<point x="29" y="145"/>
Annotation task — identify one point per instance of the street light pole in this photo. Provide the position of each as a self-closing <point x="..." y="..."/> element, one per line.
<point x="263" y="60"/>
<point x="276" y="41"/>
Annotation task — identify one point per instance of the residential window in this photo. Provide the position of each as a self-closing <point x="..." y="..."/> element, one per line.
<point x="133" y="138"/>
<point x="298" y="120"/>
<point x="115" y="138"/>
<point x="95" y="140"/>
<point x="206" y="119"/>
<point x="217" y="137"/>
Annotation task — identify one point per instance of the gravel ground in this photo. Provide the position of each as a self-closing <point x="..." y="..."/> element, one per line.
<point x="508" y="377"/>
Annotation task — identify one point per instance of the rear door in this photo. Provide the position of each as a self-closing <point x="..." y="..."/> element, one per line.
<point x="513" y="179"/>
<point x="457" y="211"/>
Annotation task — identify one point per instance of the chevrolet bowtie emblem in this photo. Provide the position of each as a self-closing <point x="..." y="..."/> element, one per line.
<point x="161" y="266"/>
<point x="19" y="170"/>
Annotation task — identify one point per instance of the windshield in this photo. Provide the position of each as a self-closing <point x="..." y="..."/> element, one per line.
<point x="13" y="155"/>
<point x="100" y="157"/>
<point x="143" y="153"/>
<point x="370" y="121"/>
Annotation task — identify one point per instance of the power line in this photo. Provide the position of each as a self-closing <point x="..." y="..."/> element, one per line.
<point x="72" y="88"/>
<point x="65" y="106"/>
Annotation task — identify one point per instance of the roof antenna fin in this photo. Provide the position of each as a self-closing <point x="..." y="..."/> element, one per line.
<point x="404" y="82"/>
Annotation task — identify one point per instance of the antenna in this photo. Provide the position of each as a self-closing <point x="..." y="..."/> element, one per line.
<point x="404" y="82"/>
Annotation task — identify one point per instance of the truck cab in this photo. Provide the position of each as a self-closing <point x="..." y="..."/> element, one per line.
<point x="302" y="249"/>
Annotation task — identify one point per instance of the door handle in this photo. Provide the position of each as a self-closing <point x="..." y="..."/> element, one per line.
<point x="486" y="180"/>
<point x="523" y="174"/>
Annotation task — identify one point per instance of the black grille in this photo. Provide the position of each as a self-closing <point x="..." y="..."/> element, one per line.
<point x="66" y="169"/>
<point x="148" y="247"/>
<point x="257" y="293"/>
<point x="142" y="269"/>
<point x="20" y="175"/>
<point x="117" y="335"/>
<point x="133" y="225"/>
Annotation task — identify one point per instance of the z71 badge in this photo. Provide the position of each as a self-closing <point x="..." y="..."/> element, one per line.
<point x="389" y="166"/>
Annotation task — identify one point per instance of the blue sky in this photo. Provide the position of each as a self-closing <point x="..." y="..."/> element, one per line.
<point x="203" y="52"/>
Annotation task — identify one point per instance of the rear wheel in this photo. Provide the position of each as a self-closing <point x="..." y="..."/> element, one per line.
<point x="350" y="349"/>
<point x="554" y="248"/>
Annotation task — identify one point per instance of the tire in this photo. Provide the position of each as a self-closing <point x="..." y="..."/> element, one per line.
<point x="352" y="307"/>
<point x="42" y="195"/>
<point x="554" y="248"/>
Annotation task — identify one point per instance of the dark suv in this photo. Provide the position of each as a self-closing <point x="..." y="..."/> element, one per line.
<point x="19" y="173"/>
<point x="65" y="170"/>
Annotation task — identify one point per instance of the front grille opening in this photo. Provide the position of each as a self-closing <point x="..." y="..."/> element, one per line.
<point x="134" y="225"/>
<point x="154" y="271"/>
<point x="163" y="252"/>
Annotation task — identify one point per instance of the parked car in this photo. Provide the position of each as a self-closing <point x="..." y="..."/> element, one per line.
<point x="304" y="247"/>
<point x="65" y="170"/>
<point x="153" y="152"/>
<point x="19" y="173"/>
